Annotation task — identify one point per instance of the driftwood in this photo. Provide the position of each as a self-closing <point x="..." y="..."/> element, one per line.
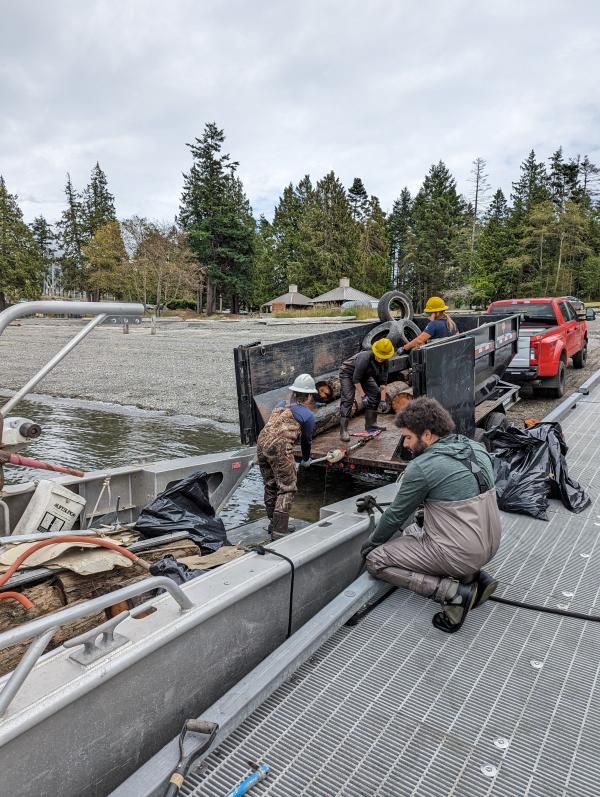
<point x="329" y="416"/>
<point x="67" y="588"/>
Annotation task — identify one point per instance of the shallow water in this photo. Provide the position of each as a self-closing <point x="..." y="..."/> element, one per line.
<point x="93" y="436"/>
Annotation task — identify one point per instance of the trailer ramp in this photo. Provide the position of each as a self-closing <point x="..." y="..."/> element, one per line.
<point x="509" y="706"/>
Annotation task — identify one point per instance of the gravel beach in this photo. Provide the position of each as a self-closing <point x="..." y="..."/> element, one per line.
<point x="181" y="370"/>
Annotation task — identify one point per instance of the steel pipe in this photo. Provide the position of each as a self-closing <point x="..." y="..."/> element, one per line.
<point x="49" y="307"/>
<point x="45" y="370"/>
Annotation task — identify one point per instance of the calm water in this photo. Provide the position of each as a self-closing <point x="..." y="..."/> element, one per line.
<point x="94" y="436"/>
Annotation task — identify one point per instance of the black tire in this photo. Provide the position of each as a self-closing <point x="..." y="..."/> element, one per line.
<point x="580" y="358"/>
<point x="390" y="330"/>
<point x="407" y="330"/>
<point x="495" y="420"/>
<point x="394" y="306"/>
<point x="555" y="387"/>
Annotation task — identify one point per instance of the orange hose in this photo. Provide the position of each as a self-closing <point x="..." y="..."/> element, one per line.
<point x="42" y="544"/>
<point x="22" y="599"/>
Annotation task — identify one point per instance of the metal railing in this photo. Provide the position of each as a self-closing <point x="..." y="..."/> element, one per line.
<point x="101" y="311"/>
<point x="43" y="628"/>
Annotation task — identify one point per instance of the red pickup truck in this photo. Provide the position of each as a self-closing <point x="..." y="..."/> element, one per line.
<point x="551" y="332"/>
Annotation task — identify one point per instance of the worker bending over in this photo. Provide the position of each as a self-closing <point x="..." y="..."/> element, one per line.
<point x="454" y="479"/>
<point x="289" y="421"/>
<point x="440" y="324"/>
<point x="365" y="374"/>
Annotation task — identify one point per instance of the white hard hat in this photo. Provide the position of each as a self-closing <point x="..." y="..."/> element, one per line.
<point x="304" y="383"/>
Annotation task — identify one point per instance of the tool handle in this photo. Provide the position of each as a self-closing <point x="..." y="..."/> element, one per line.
<point x="255" y="777"/>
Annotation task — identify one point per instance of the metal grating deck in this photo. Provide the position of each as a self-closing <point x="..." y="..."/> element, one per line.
<point x="509" y="706"/>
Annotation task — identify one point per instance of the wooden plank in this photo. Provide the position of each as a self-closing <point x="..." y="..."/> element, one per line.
<point x="376" y="453"/>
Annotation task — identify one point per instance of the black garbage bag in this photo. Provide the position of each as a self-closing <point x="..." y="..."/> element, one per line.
<point x="179" y="572"/>
<point x="184" y="506"/>
<point x="530" y="467"/>
<point x="563" y="486"/>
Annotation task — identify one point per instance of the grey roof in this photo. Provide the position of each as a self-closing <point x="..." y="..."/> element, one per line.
<point x="299" y="299"/>
<point x="343" y="295"/>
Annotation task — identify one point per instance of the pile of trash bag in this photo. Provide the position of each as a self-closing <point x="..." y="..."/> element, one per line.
<point x="530" y="468"/>
<point x="184" y="506"/>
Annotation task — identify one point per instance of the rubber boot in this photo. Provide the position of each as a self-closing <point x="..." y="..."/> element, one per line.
<point x="455" y="611"/>
<point x="344" y="436"/>
<point x="280" y="526"/>
<point x="370" y="422"/>
<point x="486" y="586"/>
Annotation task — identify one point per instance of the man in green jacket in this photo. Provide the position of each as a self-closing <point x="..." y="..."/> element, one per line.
<point x="453" y="478"/>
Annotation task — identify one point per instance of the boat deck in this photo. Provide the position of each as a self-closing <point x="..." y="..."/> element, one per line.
<point x="508" y="706"/>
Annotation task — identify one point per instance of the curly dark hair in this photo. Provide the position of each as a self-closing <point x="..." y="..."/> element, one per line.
<point x="424" y="414"/>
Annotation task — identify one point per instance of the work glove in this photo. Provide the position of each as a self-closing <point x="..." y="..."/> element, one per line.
<point x="367" y="547"/>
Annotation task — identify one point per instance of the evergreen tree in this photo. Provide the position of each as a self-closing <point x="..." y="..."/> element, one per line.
<point x="71" y="238"/>
<point x="530" y="188"/>
<point x="330" y="235"/>
<point x="493" y="277"/>
<point x="263" y="274"/>
<point x="589" y="175"/>
<point x="291" y="259"/>
<point x="45" y="238"/>
<point x="358" y="199"/>
<point x="481" y="187"/>
<point x="563" y="179"/>
<point x="98" y="203"/>
<point x="399" y="229"/>
<point x="217" y="218"/>
<point x="441" y="235"/>
<point x="21" y="261"/>
<point x="373" y="251"/>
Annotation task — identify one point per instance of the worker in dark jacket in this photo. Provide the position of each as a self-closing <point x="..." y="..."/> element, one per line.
<point x="454" y="479"/>
<point x="289" y="422"/>
<point x="440" y="324"/>
<point x="365" y="374"/>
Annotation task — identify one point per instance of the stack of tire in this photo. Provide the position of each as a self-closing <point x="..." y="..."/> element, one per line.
<point x="395" y="311"/>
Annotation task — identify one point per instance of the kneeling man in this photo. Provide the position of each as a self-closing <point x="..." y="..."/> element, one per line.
<point x="452" y="476"/>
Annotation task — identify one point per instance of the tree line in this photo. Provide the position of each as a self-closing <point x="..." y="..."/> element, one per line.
<point x="543" y="239"/>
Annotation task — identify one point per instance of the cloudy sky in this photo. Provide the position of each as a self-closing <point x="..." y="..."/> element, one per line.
<point x="367" y="88"/>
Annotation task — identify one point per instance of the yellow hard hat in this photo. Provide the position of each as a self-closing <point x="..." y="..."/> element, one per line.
<point x="435" y="305"/>
<point x="383" y="349"/>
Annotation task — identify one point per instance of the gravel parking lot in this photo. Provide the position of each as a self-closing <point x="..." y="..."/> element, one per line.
<point x="182" y="369"/>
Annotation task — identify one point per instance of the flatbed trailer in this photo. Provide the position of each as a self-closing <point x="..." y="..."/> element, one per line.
<point x="463" y="372"/>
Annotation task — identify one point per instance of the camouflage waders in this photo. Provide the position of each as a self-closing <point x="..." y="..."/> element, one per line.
<point x="275" y="453"/>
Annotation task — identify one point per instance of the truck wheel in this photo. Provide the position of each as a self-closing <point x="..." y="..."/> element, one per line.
<point x="393" y="306"/>
<point x="390" y="330"/>
<point x="579" y="359"/>
<point x="555" y="388"/>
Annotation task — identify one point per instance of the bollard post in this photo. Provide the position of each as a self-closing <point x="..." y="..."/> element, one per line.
<point x="126" y="326"/>
<point x="153" y="325"/>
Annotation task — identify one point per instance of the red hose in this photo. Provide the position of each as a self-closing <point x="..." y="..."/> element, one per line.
<point x="22" y="599"/>
<point x="42" y="544"/>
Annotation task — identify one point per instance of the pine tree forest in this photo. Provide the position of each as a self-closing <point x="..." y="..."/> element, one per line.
<point x="543" y="238"/>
